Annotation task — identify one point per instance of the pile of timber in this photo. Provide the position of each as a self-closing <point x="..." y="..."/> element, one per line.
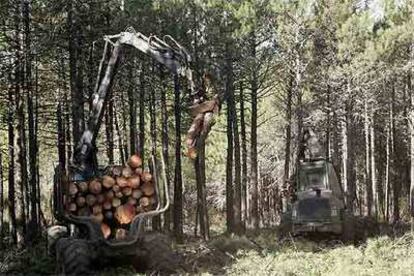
<point x="114" y="199"/>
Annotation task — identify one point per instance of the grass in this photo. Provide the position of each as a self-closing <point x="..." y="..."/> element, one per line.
<point x="378" y="256"/>
<point x="258" y="254"/>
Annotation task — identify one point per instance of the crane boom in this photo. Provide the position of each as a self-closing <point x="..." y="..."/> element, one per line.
<point x="173" y="56"/>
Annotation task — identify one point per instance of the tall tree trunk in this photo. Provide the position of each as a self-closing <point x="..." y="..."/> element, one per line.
<point x="141" y="137"/>
<point x="232" y="127"/>
<point x="75" y="75"/>
<point x="32" y="191"/>
<point x="109" y="130"/>
<point x="120" y="140"/>
<point x="11" y="179"/>
<point x="288" y="134"/>
<point x="178" y="185"/>
<point x="200" y="171"/>
<point x="368" y="183"/>
<point x="132" y="112"/>
<point x="230" y="219"/>
<point x="156" y="222"/>
<point x="1" y="199"/>
<point x="373" y="170"/>
<point x="243" y="156"/>
<point x="253" y="141"/>
<point x="165" y="145"/>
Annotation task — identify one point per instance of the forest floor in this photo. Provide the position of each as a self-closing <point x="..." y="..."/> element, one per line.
<point x="258" y="254"/>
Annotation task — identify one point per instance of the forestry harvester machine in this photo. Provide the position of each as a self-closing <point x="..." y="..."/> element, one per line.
<point x="89" y="202"/>
<point x="316" y="201"/>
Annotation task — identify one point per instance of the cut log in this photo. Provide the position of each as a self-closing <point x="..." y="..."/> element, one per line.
<point x="136" y="193"/>
<point x="146" y="177"/>
<point x="80" y="201"/>
<point x="100" y="198"/>
<point x="133" y="181"/>
<point x="125" y="213"/>
<point x="108" y="181"/>
<point x="140" y="209"/>
<point x="84" y="212"/>
<point x="135" y="161"/>
<point x="109" y="215"/>
<point x="206" y="106"/>
<point x="132" y="201"/>
<point x="90" y="200"/>
<point x="71" y="207"/>
<point x="106" y="230"/>
<point x="96" y="209"/>
<point x="110" y="194"/>
<point x="119" y="194"/>
<point x="127" y="191"/>
<point x="121" y="181"/>
<point x="116" y="170"/>
<point x="138" y="171"/>
<point x="126" y="171"/>
<point x="107" y="205"/>
<point x="144" y="201"/>
<point x="121" y="234"/>
<point x="95" y="187"/>
<point x="72" y="189"/>
<point x="83" y="187"/>
<point x="148" y="189"/>
<point x="153" y="200"/>
<point x="116" y="188"/>
<point x="98" y="218"/>
<point x="116" y="202"/>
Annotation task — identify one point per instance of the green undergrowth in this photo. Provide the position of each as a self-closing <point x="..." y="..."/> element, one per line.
<point x="255" y="254"/>
<point x="378" y="256"/>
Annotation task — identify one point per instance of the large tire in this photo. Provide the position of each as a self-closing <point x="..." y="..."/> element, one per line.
<point x="73" y="257"/>
<point x="348" y="228"/>
<point x="54" y="233"/>
<point x="156" y="255"/>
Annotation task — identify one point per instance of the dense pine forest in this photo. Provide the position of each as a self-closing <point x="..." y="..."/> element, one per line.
<point x="339" y="71"/>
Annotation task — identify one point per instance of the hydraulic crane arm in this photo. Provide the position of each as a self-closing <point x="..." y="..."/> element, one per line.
<point x="172" y="55"/>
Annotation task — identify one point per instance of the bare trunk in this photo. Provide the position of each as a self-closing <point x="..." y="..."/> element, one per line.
<point x="288" y="134"/>
<point x="11" y="179"/>
<point x="244" y="157"/>
<point x="254" y="211"/>
<point x="1" y="198"/>
<point x="367" y="161"/>
<point x="178" y="185"/>
<point x="165" y="154"/>
<point x="132" y="113"/>
<point x="75" y="76"/>
<point x="109" y="130"/>
<point x="141" y="137"/>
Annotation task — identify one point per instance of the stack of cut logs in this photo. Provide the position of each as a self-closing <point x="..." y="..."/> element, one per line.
<point x="114" y="199"/>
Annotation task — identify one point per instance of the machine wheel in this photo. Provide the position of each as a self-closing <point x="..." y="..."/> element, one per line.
<point x="348" y="228"/>
<point x="73" y="257"/>
<point x="285" y="226"/>
<point x="157" y="254"/>
<point x="54" y="233"/>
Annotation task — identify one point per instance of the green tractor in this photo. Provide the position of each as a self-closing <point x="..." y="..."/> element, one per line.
<point x="317" y="204"/>
<point x="317" y="201"/>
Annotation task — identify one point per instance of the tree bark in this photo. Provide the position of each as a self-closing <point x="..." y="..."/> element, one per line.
<point x="288" y="134"/>
<point x="109" y="130"/>
<point x="1" y="198"/>
<point x="243" y="156"/>
<point x="75" y="75"/>
<point x="165" y="154"/>
<point x="141" y="137"/>
<point x="11" y="179"/>
<point x="253" y="141"/>
<point x="132" y="112"/>
<point x="178" y="185"/>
